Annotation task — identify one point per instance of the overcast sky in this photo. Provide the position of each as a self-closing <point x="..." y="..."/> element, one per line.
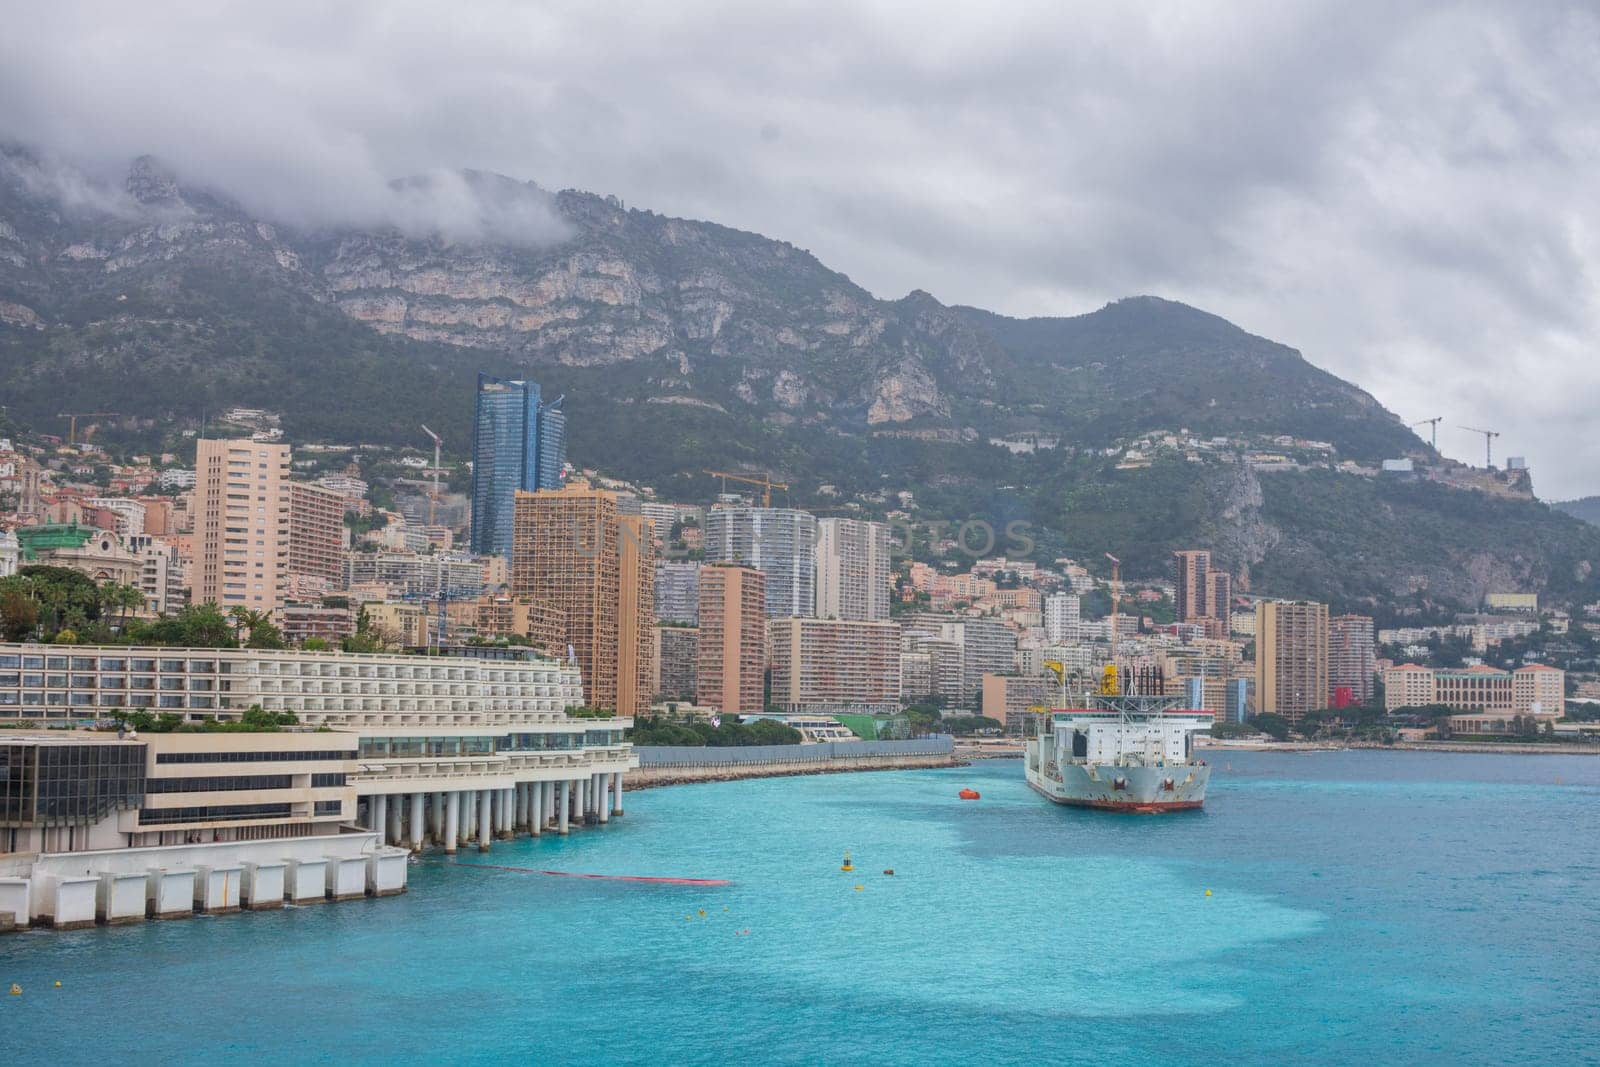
<point x="1408" y="193"/>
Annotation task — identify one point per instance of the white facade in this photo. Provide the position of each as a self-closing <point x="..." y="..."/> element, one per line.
<point x="130" y="514"/>
<point x="10" y="553"/>
<point x="781" y="543"/>
<point x="1061" y="618"/>
<point x="852" y="570"/>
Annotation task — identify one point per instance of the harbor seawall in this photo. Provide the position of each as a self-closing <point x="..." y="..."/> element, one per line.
<point x="682" y="765"/>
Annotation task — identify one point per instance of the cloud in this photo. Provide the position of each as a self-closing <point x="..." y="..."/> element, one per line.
<point x="1404" y="192"/>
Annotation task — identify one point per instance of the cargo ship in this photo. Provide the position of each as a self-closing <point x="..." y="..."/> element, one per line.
<point x="1120" y="752"/>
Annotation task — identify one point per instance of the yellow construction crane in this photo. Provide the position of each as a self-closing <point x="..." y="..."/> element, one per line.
<point x="433" y="500"/>
<point x="72" y="422"/>
<point x="765" y="482"/>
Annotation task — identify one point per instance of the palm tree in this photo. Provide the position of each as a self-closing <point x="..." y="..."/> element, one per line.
<point x="121" y="599"/>
<point x="245" y="621"/>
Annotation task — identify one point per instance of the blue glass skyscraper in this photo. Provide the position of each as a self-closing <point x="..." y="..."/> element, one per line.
<point x="518" y="443"/>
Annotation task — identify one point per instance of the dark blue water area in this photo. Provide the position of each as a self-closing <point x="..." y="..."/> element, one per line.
<point x="1377" y="907"/>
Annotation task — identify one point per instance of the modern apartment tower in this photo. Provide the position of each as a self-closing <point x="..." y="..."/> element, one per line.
<point x="819" y="663"/>
<point x="1352" y="656"/>
<point x="781" y="543"/>
<point x="1202" y="594"/>
<point x="852" y="570"/>
<point x="519" y="443"/>
<point x="733" y="639"/>
<point x="1291" y="658"/>
<point x="678" y="591"/>
<point x="1191" y="584"/>
<point x="316" y="539"/>
<point x="574" y="551"/>
<point x="1062" y="618"/>
<point x="241" y="530"/>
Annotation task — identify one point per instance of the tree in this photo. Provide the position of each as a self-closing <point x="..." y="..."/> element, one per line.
<point x="1274" y="726"/>
<point x="119" y="601"/>
<point x="19" y="615"/>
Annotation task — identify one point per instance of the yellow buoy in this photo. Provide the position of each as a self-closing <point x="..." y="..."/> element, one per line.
<point x="702" y="913"/>
<point x="847" y="865"/>
<point x="1208" y="892"/>
<point x="16" y="990"/>
<point x="58" y="983"/>
<point x="859" y="888"/>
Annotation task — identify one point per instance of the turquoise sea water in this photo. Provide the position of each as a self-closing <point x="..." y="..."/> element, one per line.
<point x="1379" y="907"/>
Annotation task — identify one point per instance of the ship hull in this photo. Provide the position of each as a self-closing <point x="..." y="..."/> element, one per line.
<point x="1136" y="790"/>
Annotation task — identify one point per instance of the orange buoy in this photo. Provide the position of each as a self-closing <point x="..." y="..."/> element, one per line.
<point x="968" y="794"/>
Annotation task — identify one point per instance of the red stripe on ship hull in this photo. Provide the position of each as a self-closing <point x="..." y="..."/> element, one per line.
<point x="1134" y="806"/>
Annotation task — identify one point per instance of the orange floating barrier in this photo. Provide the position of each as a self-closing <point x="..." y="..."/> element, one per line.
<point x="968" y="794"/>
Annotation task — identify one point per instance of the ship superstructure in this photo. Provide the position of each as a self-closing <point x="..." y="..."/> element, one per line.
<point x="1121" y="752"/>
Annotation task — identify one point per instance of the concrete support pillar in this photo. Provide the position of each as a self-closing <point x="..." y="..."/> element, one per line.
<point x="535" y="808"/>
<point x="396" y="811"/>
<point x="485" y="819"/>
<point x="563" y="798"/>
<point x="604" y="805"/>
<point x="436" y="818"/>
<point x="520" y="820"/>
<point x="419" y="830"/>
<point x="469" y="814"/>
<point x="508" y="801"/>
<point x="579" y="789"/>
<point x="549" y="803"/>
<point x="378" y="817"/>
<point x="452" y="821"/>
<point x="616" y="792"/>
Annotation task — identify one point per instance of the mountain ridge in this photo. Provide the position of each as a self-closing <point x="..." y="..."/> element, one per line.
<point x="680" y="344"/>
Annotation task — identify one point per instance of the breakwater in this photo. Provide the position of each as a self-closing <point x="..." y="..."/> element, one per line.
<point x="683" y="764"/>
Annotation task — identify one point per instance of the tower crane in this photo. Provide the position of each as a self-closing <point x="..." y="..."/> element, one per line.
<point x="765" y="482"/>
<point x="433" y="501"/>
<point x="1433" y="431"/>
<point x="72" y="421"/>
<point x="1488" y="444"/>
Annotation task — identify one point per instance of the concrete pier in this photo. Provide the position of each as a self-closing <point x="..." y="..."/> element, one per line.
<point x="217" y="889"/>
<point x="170" y="893"/>
<point x="263" y="884"/>
<point x="418" y="832"/>
<point x="452" y="822"/>
<point x="121" y="898"/>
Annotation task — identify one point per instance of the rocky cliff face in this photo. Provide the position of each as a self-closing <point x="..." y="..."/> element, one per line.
<point x="577" y="280"/>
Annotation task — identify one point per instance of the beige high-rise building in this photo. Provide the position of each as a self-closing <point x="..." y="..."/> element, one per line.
<point x="733" y="639"/>
<point x="574" y="550"/>
<point x="828" y="662"/>
<point x="241" y="505"/>
<point x="1191" y="584"/>
<point x="1202" y="594"/>
<point x="852" y="569"/>
<point x="316" y="539"/>
<point x="1291" y="658"/>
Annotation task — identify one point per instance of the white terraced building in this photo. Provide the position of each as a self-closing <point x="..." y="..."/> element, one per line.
<point x="455" y="748"/>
